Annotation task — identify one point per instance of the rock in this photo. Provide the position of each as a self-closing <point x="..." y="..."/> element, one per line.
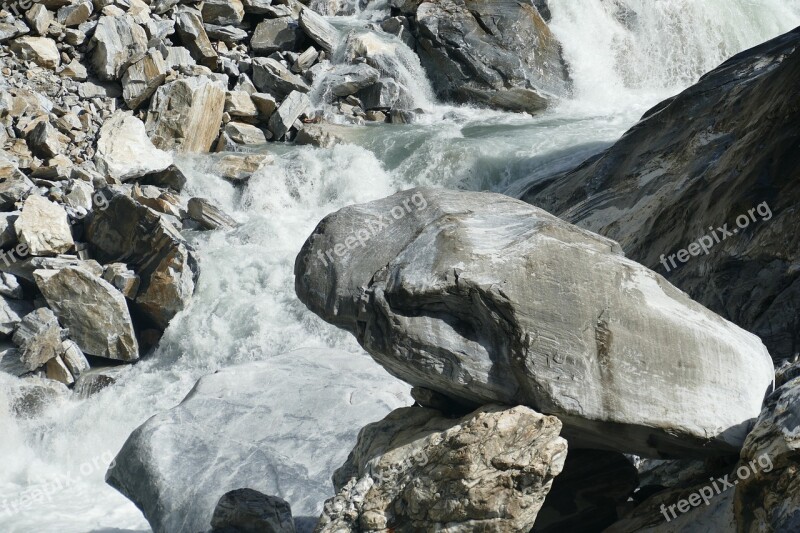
<point x="265" y="104"/>
<point x="24" y="268"/>
<point x="75" y="71"/>
<point x="143" y="78"/>
<point x="319" y="30"/>
<point x="239" y="104"/>
<point x="10" y="362"/>
<point x="43" y="227"/>
<point x="118" y="42"/>
<point x="124" y="150"/>
<point x="79" y="195"/>
<point x="271" y="77"/>
<point x="242" y="133"/>
<point x="11" y="29"/>
<point x="687" y="160"/>
<point x="10" y="287"/>
<point x="273" y="35"/>
<point x="127" y="232"/>
<point x="171" y="177"/>
<point x="500" y="54"/>
<point x="290" y="110"/>
<point x="73" y="358"/>
<point x="229" y="34"/>
<point x="38" y="337"/>
<point x="193" y="36"/>
<point x="417" y="470"/>
<point x="94" y="311"/>
<point x="207" y="215"/>
<point x="11" y="313"/>
<point x="223" y="12"/>
<point x="14" y="185"/>
<point x="344" y="80"/>
<point x="32" y="395"/>
<point x="400" y="27"/>
<point x="177" y="57"/>
<point x="185" y="115"/>
<point x="40" y="50"/>
<point x="95" y="380"/>
<point x="56" y="370"/>
<point x="45" y="140"/>
<point x="322" y="135"/>
<point x="75" y="13"/>
<point x="551" y="324"/>
<point x="238" y="168"/>
<point x="383" y="94"/>
<point x="288" y="452"/>
<point x="39" y="19"/>
<point x="249" y="511"/>
<point x="124" y="279"/>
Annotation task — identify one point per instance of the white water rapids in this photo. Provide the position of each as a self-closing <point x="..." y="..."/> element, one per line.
<point x="624" y="56"/>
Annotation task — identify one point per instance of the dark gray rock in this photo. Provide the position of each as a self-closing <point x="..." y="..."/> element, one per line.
<point x="208" y="215"/>
<point x="273" y="35"/>
<point x="319" y="30"/>
<point x="272" y="77"/>
<point x="249" y="511"/>
<point x="344" y="80"/>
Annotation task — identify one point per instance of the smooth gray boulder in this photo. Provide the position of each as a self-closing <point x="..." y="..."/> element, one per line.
<point x="487" y="299"/>
<point x="279" y="426"/>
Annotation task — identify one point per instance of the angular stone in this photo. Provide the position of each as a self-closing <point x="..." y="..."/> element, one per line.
<point x="271" y="77"/>
<point x="73" y="358"/>
<point x="193" y="36"/>
<point x="504" y="302"/>
<point x="95" y="380"/>
<point x="75" y="71"/>
<point x="305" y="60"/>
<point x="124" y="279"/>
<point x="239" y="104"/>
<point x="177" y="57"/>
<point x="223" y="12"/>
<point x="75" y="13"/>
<point x="239" y="168"/>
<point x="319" y="30"/>
<point x="265" y="104"/>
<point x="43" y="227"/>
<point x="171" y="177"/>
<point x="45" y="140"/>
<point x="24" y="268"/>
<point x="143" y="78"/>
<point x="56" y="370"/>
<point x="39" y="19"/>
<point x="383" y="94"/>
<point x="290" y="110"/>
<point x="242" y="133"/>
<point x="40" y="50"/>
<point x="118" y="42"/>
<point x="249" y="511"/>
<point x="157" y="199"/>
<point x="10" y="362"/>
<point x="94" y="311"/>
<point x="345" y="80"/>
<point x="209" y="216"/>
<point x="124" y="150"/>
<point x="10" y="287"/>
<point x="417" y="470"/>
<point x="14" y="185"/>
<point x="38" y="337"/>
<point x="322" y="135"/>
<point x="79" y="195"/>
<point x="273" y="35"/>
<point x="11" y="313"/>
<point x="185" y="115"/>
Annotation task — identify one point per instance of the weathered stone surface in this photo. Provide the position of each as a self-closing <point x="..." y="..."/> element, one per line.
<point x="94" y="311"/>
<point x="229" y="34"/>
<point x="265" y="104"/>
<point x="38" y="337"/>
<point x="691" y="164"/>
<point x="238" y="168"/>
<point x="194" y="37"/>
<point x="319" y="30"/>
<point x="125" y="152"/>
<point x="40" y="50"/>
<point x="498" y="53"/>
<point x="11" y="313"/>
<point x="271" y="77"/>
<point x="159" y="465"/>
<point x="30" y="396"/>
<point x="124" y="279"/>
<point x="10" y="287"/>
<point x="242" y="133"/>
<point x="344" y="80"/>
<point x="73" y="358"/>
<point x="75" y="13"/>
<point x="118" y="42"/>
<point x="417" y="470"/>
<point x="383" y="94"/>
<point x="323" y="135"/>
<point x="239" y="104"/>
<point x="249" y="511"/>
<point x="14" y="185"/>
<point x="290" y="110"/>
<point x="43" y="227"/>
<point x="143" y="78"/>
<point x="56" y="370"/>
<point x="95" y="380"/>
<point x="486" y="299"/>
<point x="24" y="268"/>
<point x="185" y="115"/>
<point x="172" y="177"/>
<point x="45" y="140"/>
<point x="223" y="12"/>
<point x="39" y="18"/>
<point x="272" y="35"/>
<point x="207" y="215"/>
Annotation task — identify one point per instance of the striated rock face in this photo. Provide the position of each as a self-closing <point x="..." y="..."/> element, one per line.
<point x="417" y="470"/>
<point x="499" y="53"/>
<point x="486" y="299"/>
<point x="238" y="417"/>
<point x="679" y="181"/>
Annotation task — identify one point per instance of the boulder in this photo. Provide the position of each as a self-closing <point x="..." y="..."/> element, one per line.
<point x="486" y="299"/>
<point x="296" y="104"/>
<point x="118" y="42"/>
<point x="265" y="104"/>
<point x="323" y="135"/>
<point x="10" y="287"/>
<point x="500" y="53"/>
<point x="39" y="19"/>
<point x="94" y="311"/>
<point x="143" y="77"/>
<point x="123" y="278"/>
<point x="344" y="80"/>
<point x="11" y="313"/>
<point x="95" y="380"/>
<point x="223" y="12"/>
<point x="38" y="337"/>
<point x="242" y="133"/>
<point x="290" y="419"/>
<point x="271" y="77"/>
<point x="383" y="94"/>
<point x="238" y="168"/>
<point x="417" y="470"/>
<point x="45" y="140"/>
<point x="14" y="185"/>
<point x="75" y="13"/>
<point x="56" y="370"/>
<point x="249" y="511"/>
<point x="239" y="104"/>
<point x="171" y="177"/>
<point x="124" y="150"/>
<point x="208" y="215"/>
<point x="228" y="34"/>
<point x="43" y="227"/>
<point x="677" y="188"/>
<point x="40" y="50"/>
<point x="73" y="358"/>
<point x="273" y="35"/>
<point x="319" y="30"/>
<point x="185" y="115"/>
<point x="194" y="37"/>
<point x="31" y="396"/>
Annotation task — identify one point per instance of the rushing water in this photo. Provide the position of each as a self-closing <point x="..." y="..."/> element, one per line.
<point x="624" y="56"/>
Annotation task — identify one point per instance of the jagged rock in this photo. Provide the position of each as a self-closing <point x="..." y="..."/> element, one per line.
<point x="177" y="57"/>
<point x="143" y="78"/>
<point x="38" y="337"/>
<point x="24" y="268"/>
<point x="124" y="279"/>
<point x="322" y="135"/>
<point x="271" y="77"/>
<point x="171" y="177"/>
<point x="383" y="94"/>
<point x="400" y="27"/>
<point x="239" y="104"/>
<point x="503" y="302"/>
<point x="273" y="35"/>
<point x="417" y="470"/>
<point x="40" y="50"/>
<point x="118" y="42"/>
<point x="239" y="168"/>
<point x="95" y="380"/>
<point x="305" y="60"/>
<point x="10" y="287"/>
<point x="159" y="465"/>
<point x="10" y="362"/>
<point x="194" y="37"/>
<point x="11" y="313"/>
<point x="39" y="19"/>
<point x="79" y="195"/>
<point x="208" y="215"/>
<point x="265" y="104"/>
<point x="691" y="159"/>
<point x="14" y="185"/>
<point x="229" y="34"/>
<point x="249" y="511"/>
<point x="258" y="7"/>
<point x="157" y="199"/>
<point x="43" y="227"/>
<point x="75" y="71"/>
<point x="75" y="13"/>
<point x="125" y="152"/>
<point x="500" y="54"/>
<point x="56" y="370"/>
<point x="290" y="110"/>
<point x="8" y="235"/>
<point x="344" y="80"/>
<point x="242" y="133"/>
<point x="45" y="140"/>
<point x="319" y="30"/>
<point x="185" y="115"/>
<point x="73" y="358"/>
<point x="223" y="12"/>
<point x="94" y="311"/>
<point x="30" y="396"/>
<point x="127" y="232"/>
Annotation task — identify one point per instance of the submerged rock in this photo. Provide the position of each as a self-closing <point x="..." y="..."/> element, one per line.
<point x="486" y="299"/>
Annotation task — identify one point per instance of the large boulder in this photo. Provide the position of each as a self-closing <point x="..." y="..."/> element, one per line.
<point x="118" y="42"/>
<point x="484" y="299"/>
<point x="498" y="53"/>
<point x="417" y="470"/>
<point x="278" y="426"/>
<point x="125" y="152"/>
<point x="40" y="50"/>
<point x="704" y="191"/>
<point x="43" y="227"/>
